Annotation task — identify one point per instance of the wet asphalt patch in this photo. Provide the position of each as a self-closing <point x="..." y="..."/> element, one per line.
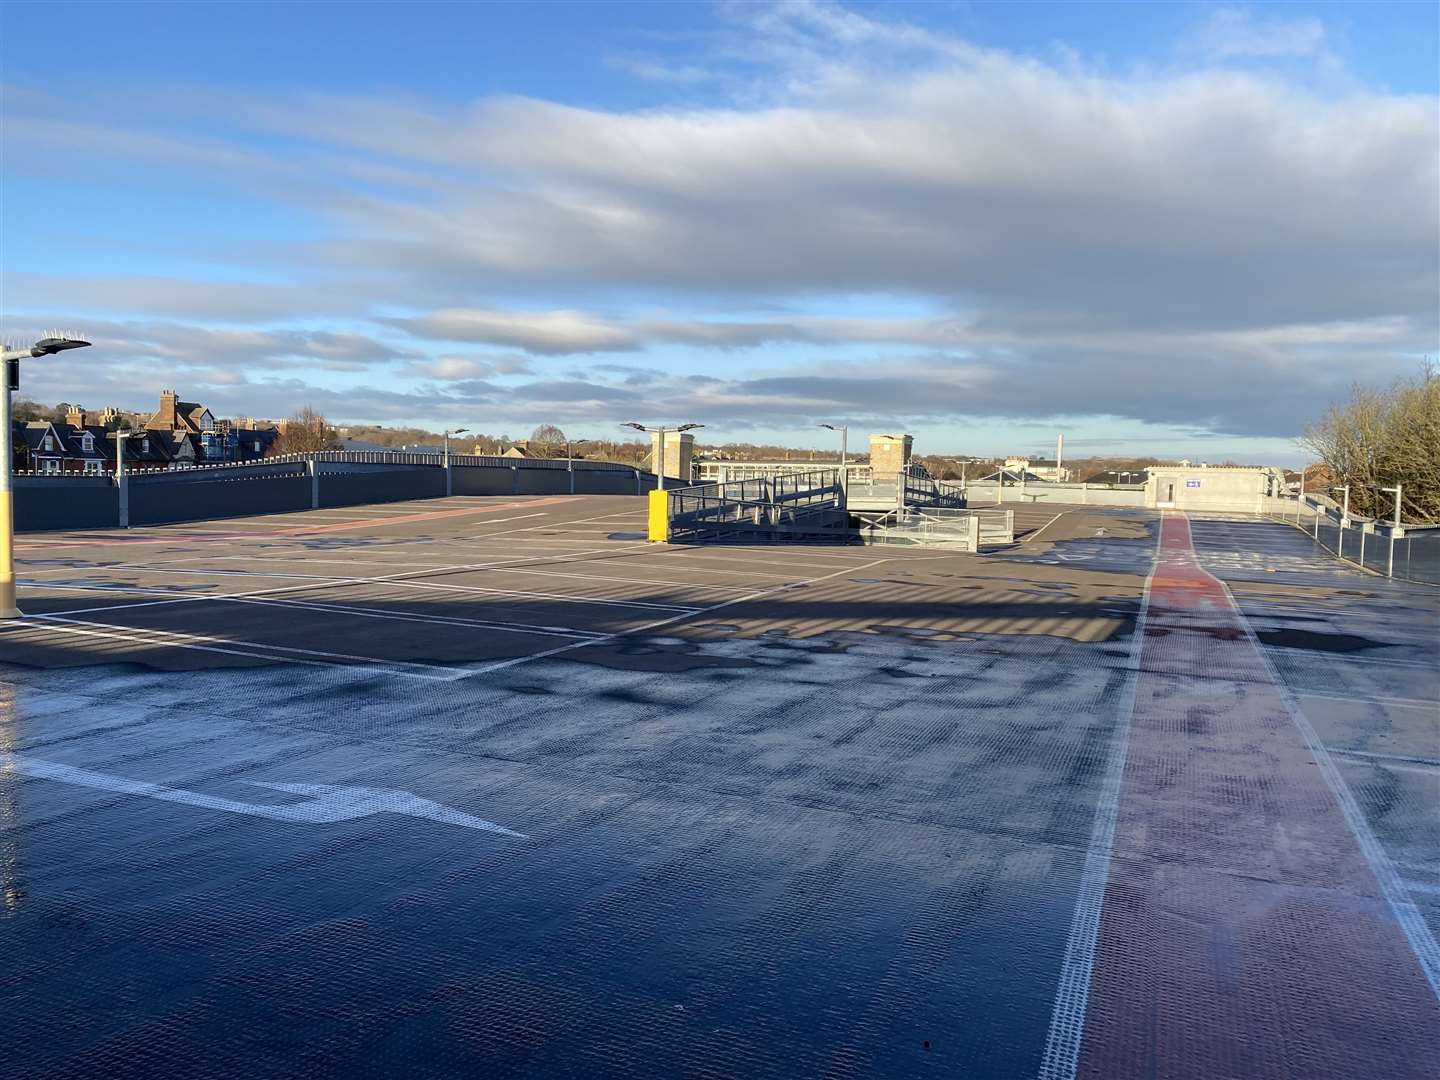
<point x="647" y="656"/>
<point x="1318" y="642"/>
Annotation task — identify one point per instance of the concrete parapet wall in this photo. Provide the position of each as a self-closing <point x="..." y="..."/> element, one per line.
<point x="65" y="503"/>
<point x="271" y="487"/>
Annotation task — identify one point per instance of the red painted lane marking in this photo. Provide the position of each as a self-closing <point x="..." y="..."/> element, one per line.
<point x="1243" y="934"/>
<point x="293" y="530"/>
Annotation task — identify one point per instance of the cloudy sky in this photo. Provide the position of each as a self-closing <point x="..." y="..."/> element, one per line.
<point x="1181" y="229"/>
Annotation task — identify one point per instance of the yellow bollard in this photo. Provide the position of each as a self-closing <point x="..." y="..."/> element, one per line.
<point x="659" y="529"/>
<point x="8" y="610"/>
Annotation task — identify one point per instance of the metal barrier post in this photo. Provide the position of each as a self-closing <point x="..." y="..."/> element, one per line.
<point x="314" y="471"/>
<point x="122" y="481"/>
<point x="658" y="523"/>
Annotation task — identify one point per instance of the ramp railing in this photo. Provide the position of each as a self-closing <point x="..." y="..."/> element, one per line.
<point x="795" y="507"/>
<point x="1410" y="552"/>
<point x="922" y="490"/>
<point x="942" y="527"/>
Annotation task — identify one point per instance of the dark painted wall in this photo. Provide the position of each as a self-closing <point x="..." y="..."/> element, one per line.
<point x="71" y="503"/>
<point x="154" y="501"/>
<point x="358" y="484"/>
<point x="193" y="495"/>
<point x="480" y="480"/>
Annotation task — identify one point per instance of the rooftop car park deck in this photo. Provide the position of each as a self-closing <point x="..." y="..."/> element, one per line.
<point x="489" y="786"/>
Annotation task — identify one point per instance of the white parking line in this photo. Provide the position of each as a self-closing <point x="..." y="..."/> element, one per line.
<point x="1390" y="702"/>
<point x="502" y="665"/>
<point x="250" y="650"/>
<point x="395" y="579"/>
<point x="1397" y="761"/>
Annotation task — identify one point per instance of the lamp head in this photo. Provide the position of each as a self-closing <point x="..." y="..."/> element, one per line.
<point x="632" y="424"/>
<point x="689" y="427"/>
<point x="56" y="342"/>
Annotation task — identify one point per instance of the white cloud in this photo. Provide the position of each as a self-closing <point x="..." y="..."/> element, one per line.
<point x="544" y="332"/>
<point x="1238" y="32"/>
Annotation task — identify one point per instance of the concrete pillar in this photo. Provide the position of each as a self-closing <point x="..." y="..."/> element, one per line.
<point x="313" y="468"/>
<point x="676" y="458"/>
<point x="122" y="491"/>
<point x="514" y="479"/>
<point x="639" y="484"/>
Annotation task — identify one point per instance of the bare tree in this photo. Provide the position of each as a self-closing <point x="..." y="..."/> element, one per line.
<point x="1380" y="438"/>
<point x="304" y="433"/>
<point x="548" y="441"/>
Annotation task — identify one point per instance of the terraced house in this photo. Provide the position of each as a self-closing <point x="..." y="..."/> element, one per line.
<point x="177" y="435"/>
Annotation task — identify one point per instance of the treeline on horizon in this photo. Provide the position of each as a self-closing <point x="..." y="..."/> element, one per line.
<point x="308" y="430"/>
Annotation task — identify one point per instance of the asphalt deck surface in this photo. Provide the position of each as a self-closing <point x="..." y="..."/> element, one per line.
<point x="491" y="787"/>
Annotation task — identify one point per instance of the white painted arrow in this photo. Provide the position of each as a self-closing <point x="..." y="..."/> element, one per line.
<point x="327" y="803"/>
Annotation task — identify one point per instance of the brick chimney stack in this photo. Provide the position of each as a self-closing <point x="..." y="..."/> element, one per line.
<point x="165" y="418"/>
<point x="75" y="416"/>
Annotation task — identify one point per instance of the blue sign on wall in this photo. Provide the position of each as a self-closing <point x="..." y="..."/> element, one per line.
<point x="1192" y="483"/>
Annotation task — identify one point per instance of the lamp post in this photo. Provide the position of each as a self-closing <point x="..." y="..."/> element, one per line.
<point x="1395" y="528"/>
<point x="570" y="445"/>
<point x="445" y="436"/>
<point x="660" y="449"/>
<point x="46" y="346"/>
<point x="122" y="484"/>
<point x="844" y="430"/>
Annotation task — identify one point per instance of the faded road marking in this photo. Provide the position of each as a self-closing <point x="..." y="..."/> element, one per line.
<point x="327" y="804"/>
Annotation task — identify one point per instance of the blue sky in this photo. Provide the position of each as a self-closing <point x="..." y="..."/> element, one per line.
<point x="1171" y="228"/>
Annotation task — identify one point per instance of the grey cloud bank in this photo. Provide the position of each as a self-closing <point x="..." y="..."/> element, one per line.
<point x="1210" y="246"/>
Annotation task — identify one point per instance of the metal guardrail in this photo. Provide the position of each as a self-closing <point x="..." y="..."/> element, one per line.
<point x="941" y="527"/>
<point x="369" y="457"/>
<point x="927" y="491"/>
<point x="1408" y="552"/>
<point x="778" y="507"/>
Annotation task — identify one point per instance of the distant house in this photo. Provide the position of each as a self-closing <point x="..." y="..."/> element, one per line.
<point x="53" y="448"/>
<point x="194" y="436"/>
<point x="183" y="417"/>
<point x="519" y="451"/>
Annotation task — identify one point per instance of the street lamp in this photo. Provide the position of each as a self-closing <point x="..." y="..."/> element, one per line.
<point x="570" y="458"/>
<point x="445" y="460"/>
<point x="660" y="450"/>
<point x="446" y="437"/>
<point x="46" y="346"/>
<point x="1390" y="571"/>
<point x="844" y="431"/>
<point x="122" y="489"/>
